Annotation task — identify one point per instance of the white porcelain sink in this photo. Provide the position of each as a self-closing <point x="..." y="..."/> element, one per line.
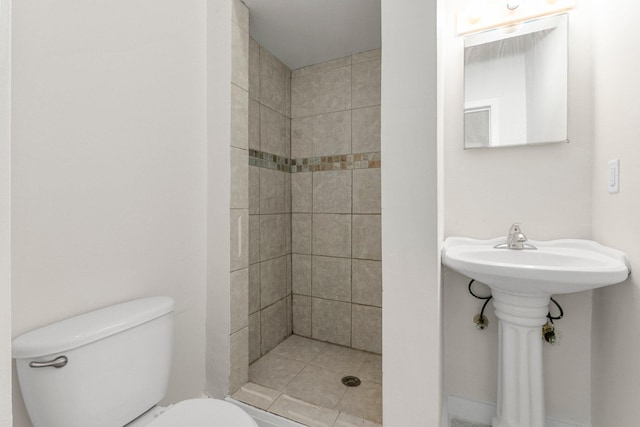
<point x="522" y="282"/>
<point x="555" y="267"/>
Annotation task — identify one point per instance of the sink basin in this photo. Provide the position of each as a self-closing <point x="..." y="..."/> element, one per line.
<point x="555" y="267"/>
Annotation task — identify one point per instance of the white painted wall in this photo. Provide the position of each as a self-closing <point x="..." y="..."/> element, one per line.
<point x="109" y="166"/>
<point x="548" y="189"/>
<point x="410" y="238"/>
<point x="5" y="214"/>
<point x="616" y="313"/>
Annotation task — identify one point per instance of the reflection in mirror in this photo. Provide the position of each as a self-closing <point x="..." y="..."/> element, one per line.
<point x="515" y="84"/>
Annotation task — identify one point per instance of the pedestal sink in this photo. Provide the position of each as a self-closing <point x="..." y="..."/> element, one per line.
<point x="522" y="282"/>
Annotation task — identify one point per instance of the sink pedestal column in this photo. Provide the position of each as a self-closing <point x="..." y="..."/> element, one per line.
<point x="520" y="374"/>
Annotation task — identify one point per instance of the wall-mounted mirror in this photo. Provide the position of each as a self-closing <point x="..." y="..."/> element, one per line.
<point x="515" y="84"/>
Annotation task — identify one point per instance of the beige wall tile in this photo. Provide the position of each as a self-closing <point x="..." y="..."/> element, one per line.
<point x="239" y="117"/>
<point x="272" y="191"/>
<point x="323" y="66"/>
<point x="301" y="272"/>
<point x="239" y="300"/>
<point x="332" y="191"/>
<point x="254" y="337"/>
<point x="287" y="192"/>
<point x="366" y="278"/>
<point x="239" y="57"/>
<point x="331" y="90"/>
<point x="289" y="303"/>
<point x="331" y="321"/>
<point x="272" y="81"/>
<point x="366" y="84"/>
<point x="366" y="237"/>
<point x="365" y="130"/>
<point x="254" y="125"/>
<point x="302" y="315"/>
<point x="239" y="178"/>
<point x="287" y="92"/>
<point x="331" y="278"/>
<point x="254" y="190"/>
<point x="301" y="96"/>
<point x="273" y="132"/>
<point x="274" y="231"/>
<point x="240" y="14"/>
<point x="274" y="325"/>
<point x="366" y="332"/>
<point x="289" y="273"/>
<point x="254" y="239"/>
<point x="239" y="374"/>
<point x="301" y="233"/>
<point x="254" y="69"/>
<point x="273" y="285"/>
<point x="331" y="235"/>
<point x="301" y="192"/>
<point x="366" y="56"/>
<point x="254" y="288"/>
<point x="302" y="137"/>
<point x="366" y="191"/>
<point x="331" y="133"/>
<point x="239" y="248"/>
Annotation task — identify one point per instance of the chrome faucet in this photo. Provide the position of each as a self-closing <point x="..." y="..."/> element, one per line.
<point x="516" y="239"/>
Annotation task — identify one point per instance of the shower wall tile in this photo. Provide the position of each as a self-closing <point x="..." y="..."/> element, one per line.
<point x="240" y="178"/>
<point x="332" y="192"/>
<point x="323" y="66"/>
<point x="239" y="246"/>
<point x="273" y="321"/>
<point x="331" y="321"/>
<point x="239" y="117"/>
<point x="366" y="287"/>
<point x="302" y="315"/>
<point x="332" y="235"/>
<point x="239" y="57"/>
<point x="302" y="137"/>
<point x="301" y="272"/>
<point x="301" y="96"/>
<point x="301" y="233"/>
<point x="273" y="284"/>
<point x="289" y="314"/>
<point x="366" y="237"/>
<point x="331" y="278"/>
<point x="254" y="337"/>
<point x="301" y="192"/>
<point x="367" y="328"/>
<point x="331" y="90"/>
<point x="240" y="14"/>
<point x="366" y="191"/>
<point x="273" y="236"/>
<point x="239" y="374"/>
<point x="239" y="300"/>
<point x="254" y="288"/>
<point x="254" y="190"/>
<point x="273" y="132"/>
<point x="254" y="69"/>
<point x="331" y="133"/>
<point x="366" y="56"/>
<point x="366" y="84"/>
<point x="254" y="125"/>
<point x="272" y="191"/>
<point x="272" y="82"/>
<point x="366" y="130"/>
<point x="254" y="239"/>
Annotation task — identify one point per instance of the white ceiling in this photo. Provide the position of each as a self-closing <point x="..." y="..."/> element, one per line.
<point x="305" y="32"/>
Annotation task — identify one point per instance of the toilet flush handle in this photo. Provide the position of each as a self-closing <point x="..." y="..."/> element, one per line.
<point x="58" y="362"/>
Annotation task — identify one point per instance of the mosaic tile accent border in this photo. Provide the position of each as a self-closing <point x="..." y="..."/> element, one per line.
<point x="314" y="164"/>
<point x="269" y="161"/>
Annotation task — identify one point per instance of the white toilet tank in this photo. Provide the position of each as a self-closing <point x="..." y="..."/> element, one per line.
<point x="117" y="365"/>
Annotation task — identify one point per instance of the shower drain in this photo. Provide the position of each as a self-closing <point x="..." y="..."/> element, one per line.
<point x="351" y="381"/>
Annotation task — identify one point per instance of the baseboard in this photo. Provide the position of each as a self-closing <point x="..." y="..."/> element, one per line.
<point x="478" y="412"/>
<point x="264" y="418"/>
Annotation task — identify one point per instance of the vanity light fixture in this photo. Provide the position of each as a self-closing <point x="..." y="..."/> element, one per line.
<point x="481" y="15"/>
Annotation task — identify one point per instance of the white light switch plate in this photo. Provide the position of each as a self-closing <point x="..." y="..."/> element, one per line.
<point x="614" y="176"/>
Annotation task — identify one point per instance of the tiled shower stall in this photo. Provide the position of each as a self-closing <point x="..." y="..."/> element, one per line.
<point x="305" y="168"/>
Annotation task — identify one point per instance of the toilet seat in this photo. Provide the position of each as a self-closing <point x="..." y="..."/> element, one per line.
<point x="203" y="413"/>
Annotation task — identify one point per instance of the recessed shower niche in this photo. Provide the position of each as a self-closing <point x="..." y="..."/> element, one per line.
<point x="308" y="155"/>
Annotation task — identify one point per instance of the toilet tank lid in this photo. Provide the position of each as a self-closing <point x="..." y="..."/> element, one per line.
<point x="89" y="327"/>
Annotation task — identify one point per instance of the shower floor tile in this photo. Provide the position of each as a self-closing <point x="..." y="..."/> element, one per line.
<point x="300" y="380"/>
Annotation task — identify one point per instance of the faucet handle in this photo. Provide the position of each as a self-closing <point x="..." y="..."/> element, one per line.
<point x="515" y="228"/>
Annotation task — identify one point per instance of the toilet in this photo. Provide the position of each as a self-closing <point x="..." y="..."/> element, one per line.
<point x="110" y="368"/>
